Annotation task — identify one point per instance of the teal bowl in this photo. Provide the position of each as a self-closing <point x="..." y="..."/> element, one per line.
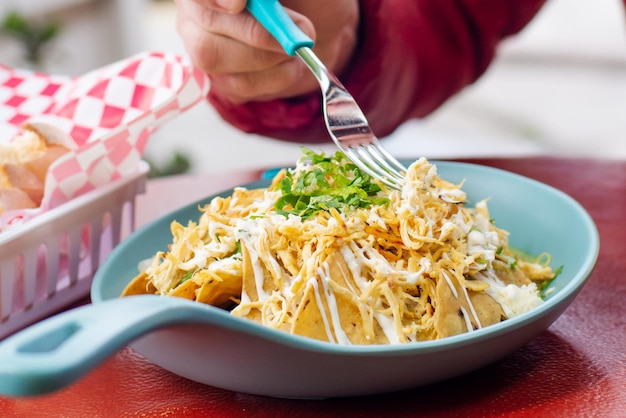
<point x="206" y="344"/>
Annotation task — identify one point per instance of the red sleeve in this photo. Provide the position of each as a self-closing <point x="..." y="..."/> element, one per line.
<point x="412" y="56"/>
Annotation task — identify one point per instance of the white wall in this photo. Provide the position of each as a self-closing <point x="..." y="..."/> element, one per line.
<point x="93" y="32"/>
<point x="559" y="87"/>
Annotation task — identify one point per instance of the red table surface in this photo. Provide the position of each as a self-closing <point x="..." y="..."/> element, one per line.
<point x="577" y="368"/>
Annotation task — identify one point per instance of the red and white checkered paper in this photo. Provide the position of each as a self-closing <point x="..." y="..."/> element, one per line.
<point x="106" y="116"/>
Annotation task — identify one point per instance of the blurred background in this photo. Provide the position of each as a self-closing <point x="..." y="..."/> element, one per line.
<point x="558" y="88"/>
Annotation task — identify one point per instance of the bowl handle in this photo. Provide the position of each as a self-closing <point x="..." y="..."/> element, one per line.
<point x="57" y="351"/>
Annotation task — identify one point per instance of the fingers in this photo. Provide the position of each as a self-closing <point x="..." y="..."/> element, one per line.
<point x="246" y="63"/>
<point x="221" y="43"/>
<point x="287" y="79"/>
<point x="218" y="50"/>
<point x="243" y="60"/>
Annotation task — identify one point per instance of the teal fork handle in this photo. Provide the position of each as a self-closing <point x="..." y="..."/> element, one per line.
<point x="57" y="351"/>
<point x="272" y="15"/>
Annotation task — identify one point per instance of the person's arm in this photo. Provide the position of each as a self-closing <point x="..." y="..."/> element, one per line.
<point x="410" y="58"/>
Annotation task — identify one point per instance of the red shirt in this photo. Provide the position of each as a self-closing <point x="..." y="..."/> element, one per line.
<point x="412" y="56"/>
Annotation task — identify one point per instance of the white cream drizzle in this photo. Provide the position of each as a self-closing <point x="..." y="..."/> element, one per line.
<point x="450" y="284"/>
<point x="329" y="334"/>
<point x="199" y="259"/>
<point x="468" y="322"/>
<point x="324" y="275"/>
<point x="251" y="234"/>
<point x="469" y="303"/>
<point x="387" y="324"/>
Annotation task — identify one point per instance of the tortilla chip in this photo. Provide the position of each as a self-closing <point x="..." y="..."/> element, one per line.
<point x="248" y="285"/>
<point x="338" y="303"/>
<point x="449" y="317"/>
<point x="510" y="275"/>
<point x="450" y="310"/>
<point x="249" y="281"/>
<point x="140" y="285"/>
<point x="487" y="309"/>
<point x="218" y="291"/>
<point x="357" y="324"/>
<point x="340" y="271"/>
<point x="185" y="290"/>
<point x="308" y="320"/>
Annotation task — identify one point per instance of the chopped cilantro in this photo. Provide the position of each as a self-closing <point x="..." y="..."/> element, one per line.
<point x="237" y="248"/>
<point x="186" y="277"/>
<point x="543" y="286"/>
<point x="331" y="182"/>
<point x="511" y="261"/>
<point x="557" y="271"/>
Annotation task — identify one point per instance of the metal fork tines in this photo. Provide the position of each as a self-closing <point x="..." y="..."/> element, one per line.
<point x="349" y="128"/>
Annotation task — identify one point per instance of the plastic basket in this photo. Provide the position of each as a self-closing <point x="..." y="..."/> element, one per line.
<point x="48" y="263"/>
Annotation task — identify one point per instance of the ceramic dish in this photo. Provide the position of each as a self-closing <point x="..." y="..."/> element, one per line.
<point x="208" y="345"/>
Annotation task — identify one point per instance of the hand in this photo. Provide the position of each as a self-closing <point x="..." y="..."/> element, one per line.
<point x="245" y="63"/>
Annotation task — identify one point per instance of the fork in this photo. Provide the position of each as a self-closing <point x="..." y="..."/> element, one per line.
<point x="344" y="119"/>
